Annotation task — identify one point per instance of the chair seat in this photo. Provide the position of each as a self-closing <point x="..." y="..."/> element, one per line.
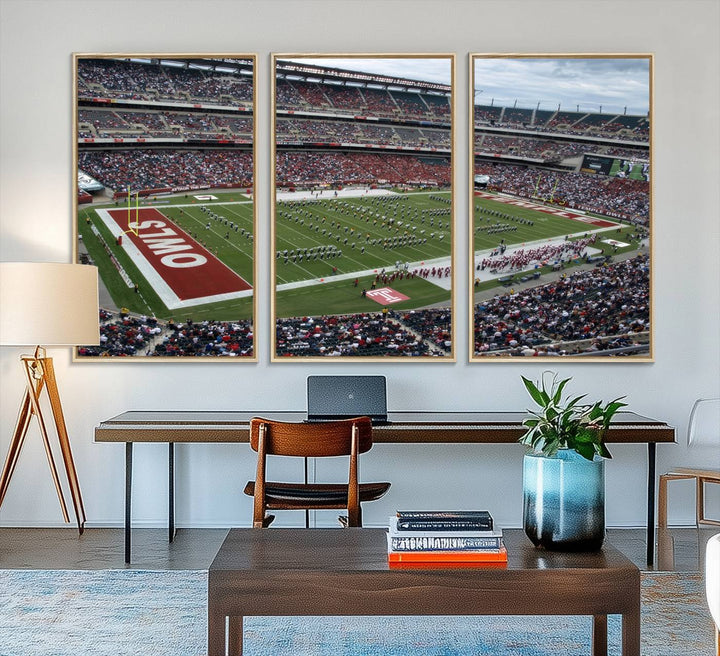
<point x="327" y="495"/>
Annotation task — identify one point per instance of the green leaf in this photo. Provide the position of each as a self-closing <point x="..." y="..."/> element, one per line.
<point x="575" y="401"/>
<point x="539" y="397"/>
<point x="586" y="451"/>
<point x="558" y="392"/>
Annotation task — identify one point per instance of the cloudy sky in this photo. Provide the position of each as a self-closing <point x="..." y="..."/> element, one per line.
<point x="614" y="83"/>
<point x="433" y="69"/>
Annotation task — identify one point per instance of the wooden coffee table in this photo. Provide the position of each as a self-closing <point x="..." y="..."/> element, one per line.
<point x="275" y="572"/>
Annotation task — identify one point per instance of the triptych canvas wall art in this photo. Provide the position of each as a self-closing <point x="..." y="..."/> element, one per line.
<point x="364" y="227"/>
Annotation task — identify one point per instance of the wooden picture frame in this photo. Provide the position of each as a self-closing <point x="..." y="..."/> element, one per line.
<point x="164" y="148"/>
<point x="560" y="227"/>
<point x="363" y="207"/>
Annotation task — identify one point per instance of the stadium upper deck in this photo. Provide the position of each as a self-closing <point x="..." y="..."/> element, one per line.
<point x="586" y="126"/>
<point x="177" y="82"/>
<point x="317" y="90"/>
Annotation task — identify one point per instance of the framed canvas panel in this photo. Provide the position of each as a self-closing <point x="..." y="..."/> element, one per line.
<point x="362" y="221"/>
<point x="561" y="207"/>
<point x="164" y="148"/>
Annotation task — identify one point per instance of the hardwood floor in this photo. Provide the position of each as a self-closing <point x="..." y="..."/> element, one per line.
<point x="679" y="549"/>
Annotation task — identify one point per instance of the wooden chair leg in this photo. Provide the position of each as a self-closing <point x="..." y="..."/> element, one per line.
<point x="699" y="501"/>
<point x="662" y="501"/>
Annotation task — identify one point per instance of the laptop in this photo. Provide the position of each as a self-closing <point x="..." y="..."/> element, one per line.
<point x="342" y="397"/>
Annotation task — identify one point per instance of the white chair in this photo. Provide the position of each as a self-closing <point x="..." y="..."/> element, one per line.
<point x="712" y="584"/>
<point x="703" y="431"/>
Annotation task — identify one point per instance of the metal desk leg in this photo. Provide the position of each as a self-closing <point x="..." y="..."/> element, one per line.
<point x="128" y="497"/>
<point x="307" y="512"/>
<point x="651" y="505"/>
<point x="171" y="491"/>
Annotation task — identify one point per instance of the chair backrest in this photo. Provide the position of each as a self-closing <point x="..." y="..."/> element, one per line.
<point x="704" y="423"/>
<point x="312" y="439"/>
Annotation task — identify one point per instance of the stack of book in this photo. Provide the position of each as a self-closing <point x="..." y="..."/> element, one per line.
<point x="445" y="538"/>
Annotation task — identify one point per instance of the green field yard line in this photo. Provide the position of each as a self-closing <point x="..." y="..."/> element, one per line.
<point x="239" y="258"/>
<point x="236" y="310"/>
<point x="147" y="301"/>
<point x="202" y="230"/>
<point x="546" y="226"/>
<point x="290" y="235"/>
<point x="224" y="197"/>
<point x="239" y="216"/>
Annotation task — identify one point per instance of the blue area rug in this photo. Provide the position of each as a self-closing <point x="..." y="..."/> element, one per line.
<point x="132" y="612"/>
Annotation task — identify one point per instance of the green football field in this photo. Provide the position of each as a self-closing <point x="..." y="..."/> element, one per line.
<point x="233" y="247"/>
<point x="496" y="222"/>
<point x="324" y="239"/>
<point x="359" y="234"/>
<point x="320" y="239"/>
<point x="633" y="170"/>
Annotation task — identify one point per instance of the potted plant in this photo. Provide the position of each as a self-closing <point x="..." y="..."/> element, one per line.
<point x="564" y="468"/>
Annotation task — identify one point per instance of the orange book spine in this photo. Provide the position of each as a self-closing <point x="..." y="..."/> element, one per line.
<point x="465" y="564"/>
<point x="486" y="556"/>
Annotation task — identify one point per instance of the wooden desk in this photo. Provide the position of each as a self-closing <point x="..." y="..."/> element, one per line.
<point x="206" y="426"/>
<point x="277" y="572"/>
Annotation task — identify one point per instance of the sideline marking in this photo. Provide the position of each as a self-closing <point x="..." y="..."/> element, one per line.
<point x="185" y="279"/>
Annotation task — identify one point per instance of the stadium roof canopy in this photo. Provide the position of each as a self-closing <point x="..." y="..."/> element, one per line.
<point x="227" y="66"/>
<point x="339" y="76"/>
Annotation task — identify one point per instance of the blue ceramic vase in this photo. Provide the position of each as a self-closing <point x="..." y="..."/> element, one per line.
<point x="564" y="501"/>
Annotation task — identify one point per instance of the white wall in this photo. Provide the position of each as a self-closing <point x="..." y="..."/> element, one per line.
<point x="37" y="38"/>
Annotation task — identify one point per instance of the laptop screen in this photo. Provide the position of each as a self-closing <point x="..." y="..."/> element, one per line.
<point x="340" y="397"/>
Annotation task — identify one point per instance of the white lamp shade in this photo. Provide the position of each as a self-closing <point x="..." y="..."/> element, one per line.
<point x="48" y="304"/>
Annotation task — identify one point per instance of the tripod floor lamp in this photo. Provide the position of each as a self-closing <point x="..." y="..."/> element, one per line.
<point x="46" y="304"/>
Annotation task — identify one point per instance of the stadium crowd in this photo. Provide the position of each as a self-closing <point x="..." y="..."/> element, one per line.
<point x="618" y="197"/>
<point x="609" y="126"/>
<point x="408" y="333"/>
<point x="303" y="130"/>
<point x="107" y="123"/>
<point x="124" y="334"/>
<point x="156" y="169"/>
<point x="299" y="168"/>
<point x="539" y="149"/>
<point x="108" y="78"/>
<point x="522" y="258"/>
<point x="611" y="301"/>
<point x="364" y="334"/>
<point x="297" y="94"/>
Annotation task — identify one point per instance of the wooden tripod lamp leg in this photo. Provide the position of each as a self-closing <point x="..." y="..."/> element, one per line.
<point x="35" y="375"/>
<point x="15" y="444"/>
<point x="39" y="374"/>
<point x="64" y="440"/>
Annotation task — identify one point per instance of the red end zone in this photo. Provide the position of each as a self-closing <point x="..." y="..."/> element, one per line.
<point x="187" y="267"/>
<point x="555" y="211"/>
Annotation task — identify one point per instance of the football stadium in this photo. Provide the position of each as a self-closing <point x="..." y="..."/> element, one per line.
<point x="363" y="210"/>
<point x="561" y="224"/>
<point x="165" y="203"/>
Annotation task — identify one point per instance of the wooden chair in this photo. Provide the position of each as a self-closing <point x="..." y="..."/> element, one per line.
<point x="349" y="437"/>
<point x="703" y="429"/>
